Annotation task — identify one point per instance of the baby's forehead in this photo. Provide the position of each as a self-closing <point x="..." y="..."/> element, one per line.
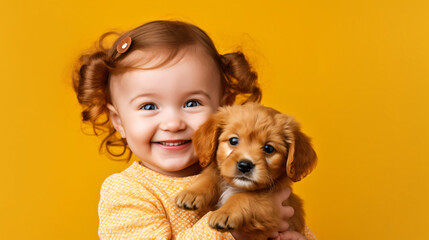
<point x="147" y="58"/>
<point x="160" y="56"/>
<point x="186" y="71"/>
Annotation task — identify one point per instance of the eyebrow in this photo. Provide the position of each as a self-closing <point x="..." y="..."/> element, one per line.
<point x="153" y="94"/>
<point x="142" y="95"/>
<point x="200" y="92"/>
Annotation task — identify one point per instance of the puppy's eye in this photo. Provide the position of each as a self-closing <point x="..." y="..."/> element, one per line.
<point x="269" y="149"/>
<point x="233" y="141"/>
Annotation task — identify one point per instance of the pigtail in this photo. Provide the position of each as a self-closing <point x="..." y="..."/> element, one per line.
<point x="241" y="80"/>
<point x="91" y="84"/>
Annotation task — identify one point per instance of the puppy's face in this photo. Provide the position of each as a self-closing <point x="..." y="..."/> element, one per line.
<point x="252" y="148"/>
<point x="253" y="145"/>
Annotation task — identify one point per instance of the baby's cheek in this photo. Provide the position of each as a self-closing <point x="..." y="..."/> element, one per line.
<point x="140" y="134"/>
<point x="196" y="121"/>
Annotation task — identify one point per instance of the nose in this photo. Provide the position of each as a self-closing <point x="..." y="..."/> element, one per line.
<point x="245" y="166"/>
<point x="172" y="122"/>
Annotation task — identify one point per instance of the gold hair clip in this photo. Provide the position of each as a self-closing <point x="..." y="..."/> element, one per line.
<point x="123" y="45"/>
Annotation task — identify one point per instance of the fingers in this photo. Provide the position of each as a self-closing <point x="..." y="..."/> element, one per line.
<point x="282" y="195"/>
<point x="287" y="212"/>
<point x="292" y="235"/>
<point x="274" y="236"/>
<point x="284" y="226"/>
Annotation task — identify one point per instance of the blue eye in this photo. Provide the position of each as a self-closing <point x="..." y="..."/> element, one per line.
<point x="269" y="149"/>
<point x="192" y="103"/>
<point x="233" y="141"/>
<point x="149" y="106"/>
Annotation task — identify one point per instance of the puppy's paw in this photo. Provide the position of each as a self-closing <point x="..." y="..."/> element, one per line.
<point x="225" y="221"/>
<point x="190" y="200"/>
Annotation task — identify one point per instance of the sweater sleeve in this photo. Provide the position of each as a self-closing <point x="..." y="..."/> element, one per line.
<point x="309" y="234"/>
<point x="127" y="211"/>
<point x="201" y="230"/>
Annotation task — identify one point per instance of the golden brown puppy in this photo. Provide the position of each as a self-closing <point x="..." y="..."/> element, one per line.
<point x="250" y="152"/>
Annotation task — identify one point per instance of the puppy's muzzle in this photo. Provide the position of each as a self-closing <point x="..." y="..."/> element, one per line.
<point x="245" y="166"/>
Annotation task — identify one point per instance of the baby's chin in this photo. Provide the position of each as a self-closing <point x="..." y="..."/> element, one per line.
<point x="181" y="167"/>
<point x="184" y="170"/>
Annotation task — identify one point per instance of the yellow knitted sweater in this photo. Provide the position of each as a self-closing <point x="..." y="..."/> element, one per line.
<point x="138" y="203"/>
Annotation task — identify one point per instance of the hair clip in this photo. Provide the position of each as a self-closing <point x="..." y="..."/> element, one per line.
<point x="123" y="45"/>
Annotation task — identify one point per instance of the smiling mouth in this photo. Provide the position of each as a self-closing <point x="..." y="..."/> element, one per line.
<point x="175" y="143"/>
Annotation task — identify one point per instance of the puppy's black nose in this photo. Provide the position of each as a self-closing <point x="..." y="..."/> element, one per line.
<point x="245" y="166"/>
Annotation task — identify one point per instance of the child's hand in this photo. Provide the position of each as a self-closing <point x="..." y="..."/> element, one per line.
<point x="285" y="213"/>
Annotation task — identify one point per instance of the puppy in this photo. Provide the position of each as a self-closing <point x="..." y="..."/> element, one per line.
<point x="249" y="152"/>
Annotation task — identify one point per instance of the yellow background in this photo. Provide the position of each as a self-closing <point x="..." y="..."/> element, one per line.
<point x="354" y="73"/>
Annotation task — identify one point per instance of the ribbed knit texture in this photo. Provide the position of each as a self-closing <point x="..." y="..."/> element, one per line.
<point x="138" y="203"/>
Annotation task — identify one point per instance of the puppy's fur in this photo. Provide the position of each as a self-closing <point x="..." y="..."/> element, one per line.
<point x="249" y="152"/>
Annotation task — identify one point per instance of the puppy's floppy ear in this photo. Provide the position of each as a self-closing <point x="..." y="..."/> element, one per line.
<point x="301" y="157"/>
<point x="205" y="140"/>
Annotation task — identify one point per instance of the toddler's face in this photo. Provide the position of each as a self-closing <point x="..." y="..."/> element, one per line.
<point x="158" y="110"/>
